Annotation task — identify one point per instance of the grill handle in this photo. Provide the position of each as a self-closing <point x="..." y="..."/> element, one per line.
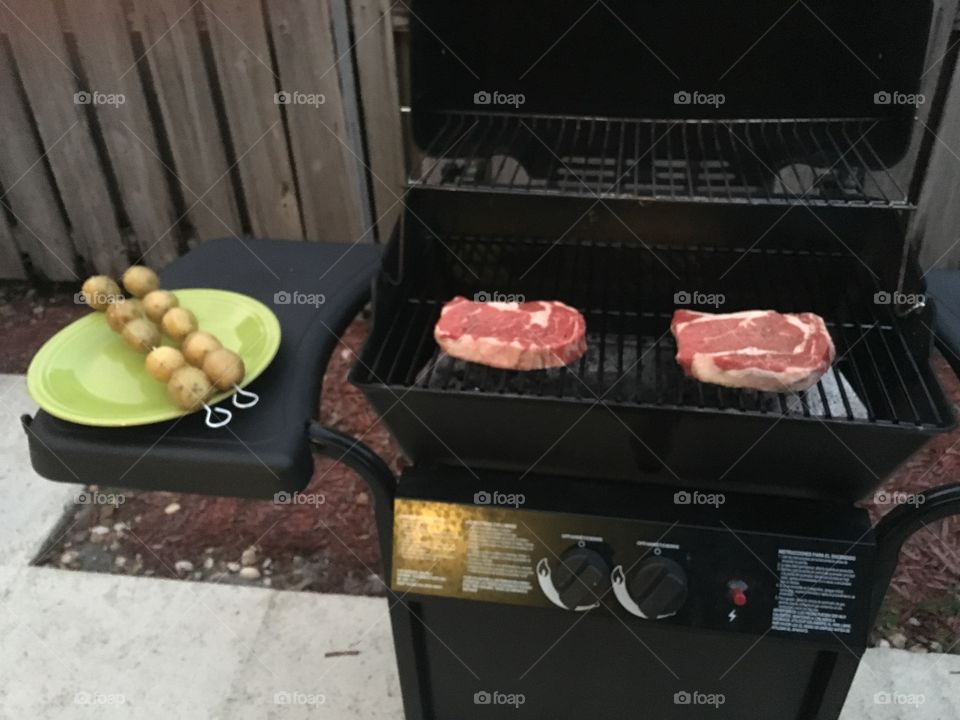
<point x="359" y="457"/>
<point x="895" y="528"/>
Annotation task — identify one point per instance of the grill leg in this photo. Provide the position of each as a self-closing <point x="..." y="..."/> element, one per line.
<point x="365" y="462"/>
<point x="897" y="527"/>
<point x="404" y="614"/>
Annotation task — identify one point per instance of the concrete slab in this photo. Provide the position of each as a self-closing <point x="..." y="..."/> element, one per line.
<point x="328" y="659"/>
<point x="82" y="645"/>
<point x="901" y="685"/>
<point x="30" y="507"/>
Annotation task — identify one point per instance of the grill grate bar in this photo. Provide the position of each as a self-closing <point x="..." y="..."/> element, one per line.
<point x="926" y="388"/>
<point x="900" y="381"/>
<point x="898" y="190"/>
<point x="815" y="161"/>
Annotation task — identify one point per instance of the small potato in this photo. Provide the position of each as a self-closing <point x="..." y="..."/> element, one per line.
<point x="141" y="335"/>
<point x="177" y="323"/>
<point x="157" y="303"/>
<point x="196" y="346"/>
<point x="140" y="280"/>
<point x="163" y="361"/>
<point x="189" y="388"/>
<point x="224" y="368"/>
<point x="100" y="291"/>
<point x="124" y="311"/>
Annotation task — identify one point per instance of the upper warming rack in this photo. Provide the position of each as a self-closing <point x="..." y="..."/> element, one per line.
<point x="812" y="161"/>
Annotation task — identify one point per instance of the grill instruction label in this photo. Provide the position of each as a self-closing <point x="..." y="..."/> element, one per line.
<point x="458" y="551"/>
<point x="815" y="592"/>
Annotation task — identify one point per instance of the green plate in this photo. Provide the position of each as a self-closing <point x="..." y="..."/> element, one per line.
<point x="86" y="374"/>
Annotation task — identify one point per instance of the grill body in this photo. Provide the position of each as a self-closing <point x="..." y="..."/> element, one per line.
<point x="465" y="654"/>
<point x="555" y="153"/>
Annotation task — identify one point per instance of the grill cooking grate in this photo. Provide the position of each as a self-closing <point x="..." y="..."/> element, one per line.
<point x="820" y="162"/>
<point x="628" y="294"/>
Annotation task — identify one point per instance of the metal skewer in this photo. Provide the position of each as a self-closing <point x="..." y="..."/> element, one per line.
<point x="212" y="411"/>
<point x="252" y="398"/>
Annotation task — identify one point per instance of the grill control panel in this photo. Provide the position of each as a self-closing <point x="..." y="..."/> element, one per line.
<point x="706" y="576"/>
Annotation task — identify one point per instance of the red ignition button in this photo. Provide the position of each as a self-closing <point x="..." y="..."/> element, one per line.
<point x="738" y="592"/>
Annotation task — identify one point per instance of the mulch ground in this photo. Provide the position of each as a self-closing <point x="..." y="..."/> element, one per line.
<point x="332" y="547"/>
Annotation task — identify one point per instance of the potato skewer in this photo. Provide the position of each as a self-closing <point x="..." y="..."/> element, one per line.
<point x="154" y="306"/>
<point x="187" y="386"/>
<point x="225" y="371"/>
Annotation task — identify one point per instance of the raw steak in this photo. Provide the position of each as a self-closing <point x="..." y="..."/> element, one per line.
<point x="512" y="335"/>
<point x="757" y="349"/>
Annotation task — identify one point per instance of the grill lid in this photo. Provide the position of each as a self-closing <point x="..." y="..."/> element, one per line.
<point x="664" y="59"/>
<point x="758" y="102"/>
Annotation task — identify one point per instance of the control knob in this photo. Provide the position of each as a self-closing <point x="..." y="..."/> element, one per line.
<point x="656" y="589"/>
<point x="577" y="580"/>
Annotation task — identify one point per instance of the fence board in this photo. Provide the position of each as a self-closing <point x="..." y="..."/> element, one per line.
<point x="11" y="267"/>
<point x="326" y="169"/>
<point x="249" y="83"/>
<point x="376" y="64"/>
<point x="28" y="191"/>
<point x="937" y="220"/>
<point x="175" y="57"/>
<point x="41" y="54"/>
<point x="103" y="43"/>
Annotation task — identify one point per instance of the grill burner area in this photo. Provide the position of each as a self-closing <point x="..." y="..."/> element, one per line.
<point x="833" y="397"/>
<point x="821" y="162"/>
<point x="628" y="293"/>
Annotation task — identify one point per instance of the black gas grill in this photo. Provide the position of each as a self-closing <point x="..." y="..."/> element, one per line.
<point x="703" y="540"/>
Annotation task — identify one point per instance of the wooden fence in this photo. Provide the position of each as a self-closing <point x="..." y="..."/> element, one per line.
<point x="136" y="128"/>
<point x="937" y="220"/>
